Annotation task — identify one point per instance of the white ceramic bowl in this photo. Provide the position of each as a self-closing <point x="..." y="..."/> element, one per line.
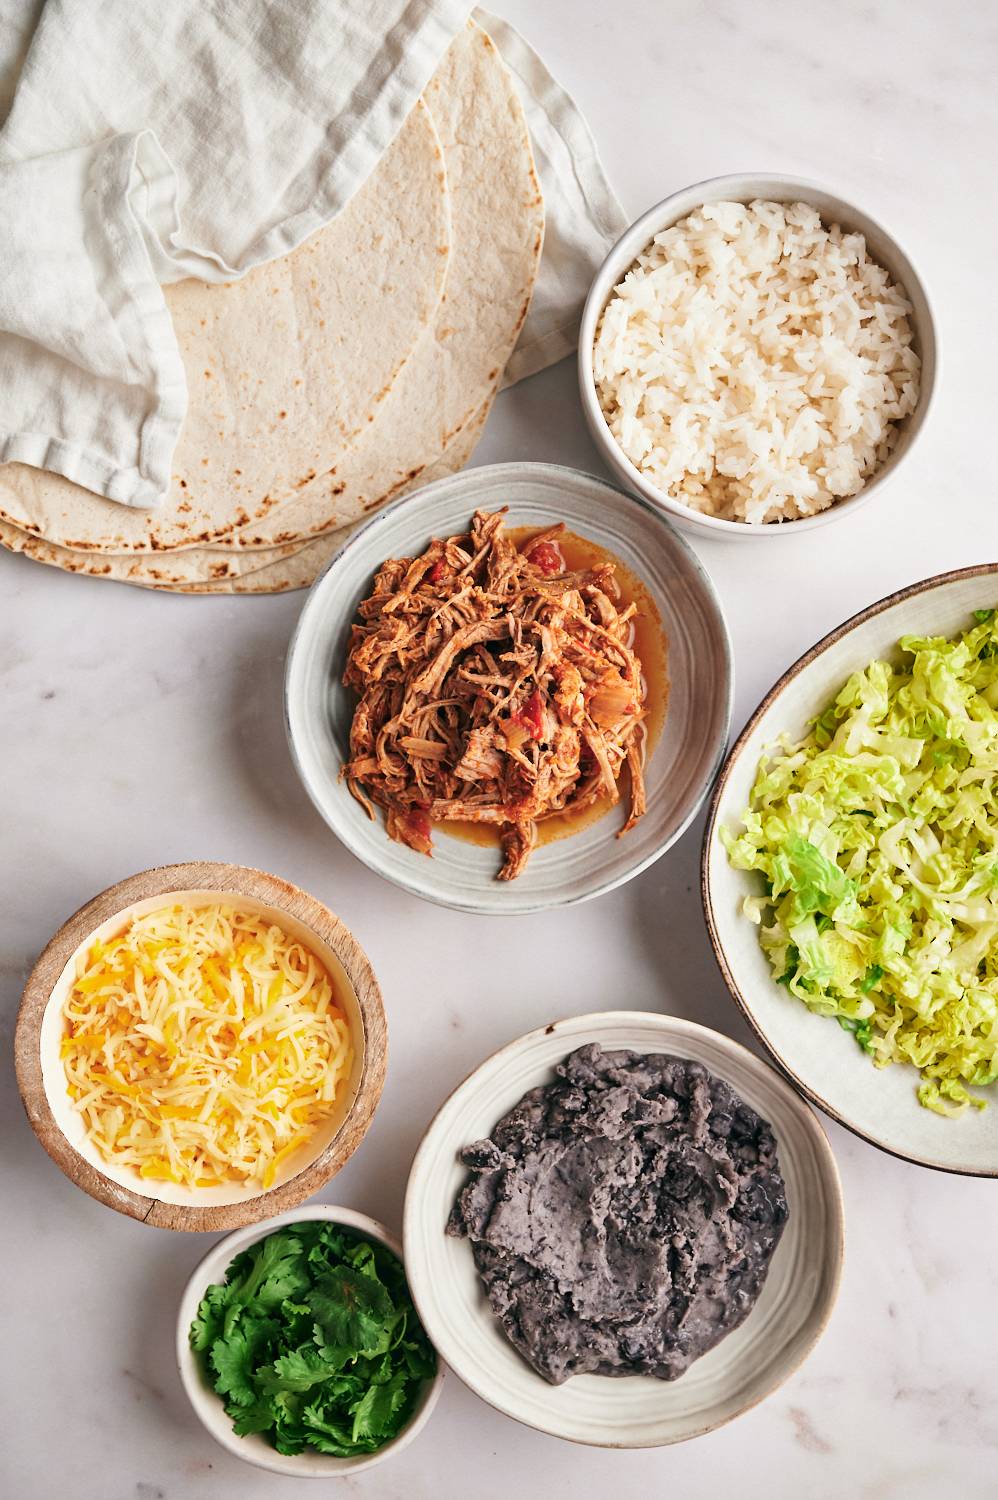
<point x="743" y="187"/>
<point x="254" y="1449"/>
<point x="635" y="1411"/>
<point x="821" y="1059"/>
<point x="680" y="768"/>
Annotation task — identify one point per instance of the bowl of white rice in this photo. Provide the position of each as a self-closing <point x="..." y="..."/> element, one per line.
<point x="756" y="356"/>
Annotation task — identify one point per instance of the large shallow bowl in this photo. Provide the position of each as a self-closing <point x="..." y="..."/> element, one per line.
<point x="680" y="768"/>
<point x="254" y="1449"/>
<point x="742" y="188"/>
<point x="42" y="1080"/>
<point x="636" y="1411"/>
<point x="821" y="1059"/>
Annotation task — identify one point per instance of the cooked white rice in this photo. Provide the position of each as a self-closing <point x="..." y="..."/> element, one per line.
<point x="754" y="364"/>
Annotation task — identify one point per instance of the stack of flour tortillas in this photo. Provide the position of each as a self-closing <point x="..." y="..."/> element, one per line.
<point x="327" y="383"/>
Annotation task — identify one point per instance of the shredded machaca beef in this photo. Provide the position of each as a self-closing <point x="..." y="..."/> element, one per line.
<point x="495" y="686"/>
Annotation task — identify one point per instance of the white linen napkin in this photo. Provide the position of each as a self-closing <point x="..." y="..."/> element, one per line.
<point x="151" y="141"/>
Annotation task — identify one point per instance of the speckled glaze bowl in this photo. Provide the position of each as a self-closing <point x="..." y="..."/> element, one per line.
<point x="823" y="1062"/>
<point x="635" y="1411"/>
<point x="680" y="768"/>
<point x="742" y="187"/>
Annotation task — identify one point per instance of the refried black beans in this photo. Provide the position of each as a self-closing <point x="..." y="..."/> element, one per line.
<point x="623" y="1218"/>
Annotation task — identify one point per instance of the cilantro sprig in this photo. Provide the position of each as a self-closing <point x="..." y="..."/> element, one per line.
<point x="312" y="1340"/>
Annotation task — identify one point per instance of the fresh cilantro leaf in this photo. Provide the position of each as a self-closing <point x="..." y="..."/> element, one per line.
<point x="207" y="1326"/>
<point x="233" y="1363"/>
<point x="361" y="1258"/>
<point x="313" y="1341"/>
<point x="289" y="1434"/>
<point x="256" y="1418"/>
<point x="353" y="1310"/>
<point x="375" y="1410"/>
<point x="419" y="1358"/>
<point x="298" y="1371"/>
<point x="318" y="1424"/>
<point x="344" y="1446"/>
<point x="272" y="1272"/>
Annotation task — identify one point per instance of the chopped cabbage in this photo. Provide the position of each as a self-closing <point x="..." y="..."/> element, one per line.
<point x="877" y="837"/>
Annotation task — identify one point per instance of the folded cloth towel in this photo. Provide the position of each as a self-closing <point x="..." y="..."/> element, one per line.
<point x="148" y="142"/>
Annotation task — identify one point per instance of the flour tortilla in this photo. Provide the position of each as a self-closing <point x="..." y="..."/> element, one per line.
<point x="189" y="565"/>
<point x="497" y="230"/>
<point x="204" y="569"/>
<point x="284" y="368"/>
<point x="497" y="217"/>
<point x="310" y="559"/>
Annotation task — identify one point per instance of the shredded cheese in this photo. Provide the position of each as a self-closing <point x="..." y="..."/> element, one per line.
<point x="203" y="1046"/>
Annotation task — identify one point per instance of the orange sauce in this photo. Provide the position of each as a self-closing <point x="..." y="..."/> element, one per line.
<point x="648" y="643"/>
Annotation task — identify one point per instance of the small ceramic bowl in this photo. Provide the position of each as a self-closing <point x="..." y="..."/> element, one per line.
<point x="254" y="1449"/>
<point x="680" y="766"/>
<point x="638" y="1411"/>
<point x="824" y="1063"/>
<point x="42" y="1080"/>
<point x="742" y="188"/>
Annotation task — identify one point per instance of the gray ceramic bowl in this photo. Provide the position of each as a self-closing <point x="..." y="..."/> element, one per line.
<point x="637" y="1412"/>
<point x="680" y="768"/>
<point x="741" y="188"/>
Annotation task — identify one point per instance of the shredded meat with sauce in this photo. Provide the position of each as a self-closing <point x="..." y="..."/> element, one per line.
<point x="495" y="686"/>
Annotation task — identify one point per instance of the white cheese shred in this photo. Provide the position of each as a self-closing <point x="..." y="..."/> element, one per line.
<point x="203" y="1046"/>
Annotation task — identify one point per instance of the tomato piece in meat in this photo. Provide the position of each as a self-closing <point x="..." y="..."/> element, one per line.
<point x="531" y="715"/>
<point x="437" y="572"/>
<point x="418" y="819"/>
<point x="547" y="557"/>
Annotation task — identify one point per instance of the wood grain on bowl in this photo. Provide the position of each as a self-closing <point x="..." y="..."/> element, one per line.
<point x="232" y="883"/>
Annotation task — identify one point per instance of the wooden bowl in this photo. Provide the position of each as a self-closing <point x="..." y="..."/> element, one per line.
<point x="42" y="1081"/>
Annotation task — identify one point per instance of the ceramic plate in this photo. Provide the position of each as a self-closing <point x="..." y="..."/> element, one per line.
<point x="679" y="771"/>
<point x="635" y="1411"/>
<point x="821" y="1059"/>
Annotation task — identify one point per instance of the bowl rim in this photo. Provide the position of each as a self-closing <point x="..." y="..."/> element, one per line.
<point x="669" y="1024"/>
<point x="641" y="231"/>
<point x="925" y="585"/>
<point x="489" y="472"/>
<point x="211" y="1267"/>
<point x="234" y="880"/>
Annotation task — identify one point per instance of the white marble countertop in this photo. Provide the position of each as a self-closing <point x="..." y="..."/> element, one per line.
<point x="140" y="729"/>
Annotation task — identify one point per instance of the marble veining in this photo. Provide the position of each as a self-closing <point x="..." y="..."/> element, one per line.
<point x="139" y="729"/>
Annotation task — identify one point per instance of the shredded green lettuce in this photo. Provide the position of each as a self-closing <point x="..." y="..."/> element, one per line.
<point x="877" y="838"/>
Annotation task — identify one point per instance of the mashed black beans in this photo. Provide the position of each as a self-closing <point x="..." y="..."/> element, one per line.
<point x="623" y="1218"/>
